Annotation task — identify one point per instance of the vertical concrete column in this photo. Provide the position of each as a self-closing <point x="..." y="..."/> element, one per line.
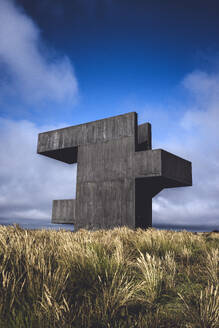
<point x="144" y="137"/>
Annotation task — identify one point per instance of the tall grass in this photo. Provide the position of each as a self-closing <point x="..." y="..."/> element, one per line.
<point x="108" y="278"/>
<point x="206" y="312"/>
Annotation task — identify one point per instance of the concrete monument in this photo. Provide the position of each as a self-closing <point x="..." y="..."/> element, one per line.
<point x="118" y="173"/>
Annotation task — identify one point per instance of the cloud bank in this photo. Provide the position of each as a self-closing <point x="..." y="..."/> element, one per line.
<point x="29" y="182"/>
<point x="28" y="70"/>
<point x="196" y="140"/>
<point x="30" y="76"/>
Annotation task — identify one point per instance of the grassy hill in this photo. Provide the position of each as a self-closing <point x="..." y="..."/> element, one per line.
<point x="115" y="278"/>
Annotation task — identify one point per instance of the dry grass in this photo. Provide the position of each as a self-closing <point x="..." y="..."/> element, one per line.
<point x="206" y="312"/>
<point x="115" y="278"/>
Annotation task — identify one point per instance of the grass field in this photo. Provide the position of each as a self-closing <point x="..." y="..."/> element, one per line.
<point x="115" y="278"/>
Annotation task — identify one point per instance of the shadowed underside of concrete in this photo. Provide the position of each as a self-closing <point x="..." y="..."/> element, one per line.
<point x="118" y="173"/>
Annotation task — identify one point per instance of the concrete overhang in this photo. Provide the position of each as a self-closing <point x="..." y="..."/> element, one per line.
<point x="170" y="170"/>
<point x="62" y="144"/>
<point x="58" y="144"/>
<point x="66" y="155"/>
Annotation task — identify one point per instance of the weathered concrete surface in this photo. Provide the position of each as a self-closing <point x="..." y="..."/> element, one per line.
<point x="118" y="173"/>
<point x="144" y="137"/>
<point x="62" y="144"/>
<point x="63" y="211"/>
<point x="159" y="162"/>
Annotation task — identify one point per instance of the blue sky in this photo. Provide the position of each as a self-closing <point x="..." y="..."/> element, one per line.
<point x="72" y="61"/>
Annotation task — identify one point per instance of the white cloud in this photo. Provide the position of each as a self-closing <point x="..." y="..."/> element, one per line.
<point x="27" y="72"/>
<point x="29" y="182"/>
<point x="30" y="76"/>
<point x="197" y="141"/>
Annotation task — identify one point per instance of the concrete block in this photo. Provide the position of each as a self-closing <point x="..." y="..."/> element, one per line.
<point x="63" y="211"/>
<point x="118" y="173"/>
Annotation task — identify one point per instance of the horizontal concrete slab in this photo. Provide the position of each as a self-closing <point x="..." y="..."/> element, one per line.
<point x="63" y="211"/>
<point x="175" y="171"/>
<point x="88" y="133"/>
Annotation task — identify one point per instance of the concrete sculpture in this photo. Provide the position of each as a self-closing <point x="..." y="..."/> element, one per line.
<point x="118" y="173"/>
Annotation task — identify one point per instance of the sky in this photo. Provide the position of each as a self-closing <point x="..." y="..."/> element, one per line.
<point x="69" y="62"/>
